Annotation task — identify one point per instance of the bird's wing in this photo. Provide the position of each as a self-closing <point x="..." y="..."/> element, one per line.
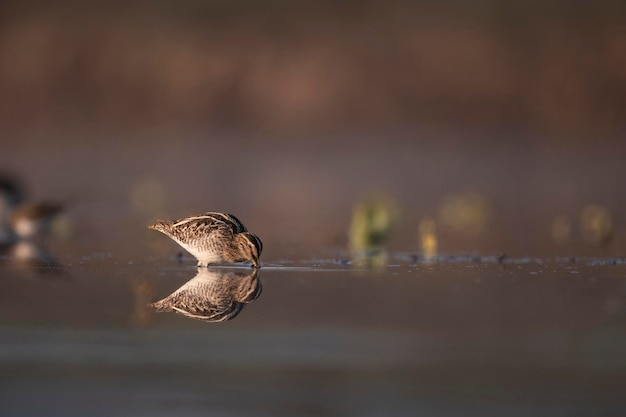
<point x="201" y="225"/>
<point x="229" y="219"/>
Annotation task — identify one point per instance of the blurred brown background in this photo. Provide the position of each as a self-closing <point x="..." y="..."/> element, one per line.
<point x="288" y="112"/>
<point x="552" y="67"/>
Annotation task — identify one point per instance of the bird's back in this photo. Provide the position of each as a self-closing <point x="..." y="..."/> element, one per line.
<point x="214" y="220"/>
<point x="205" y="224"/>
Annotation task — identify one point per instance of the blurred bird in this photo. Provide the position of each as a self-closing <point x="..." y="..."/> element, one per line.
<point x="11" y="195"/>
<point x="34" y="219"/>
<point x="19" y="220"/>
<point x="213" y="238"/>
<point x="213" y="295"/>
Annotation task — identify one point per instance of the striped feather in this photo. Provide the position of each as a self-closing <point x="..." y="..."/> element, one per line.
<point x="211" y="237"/>
<point x="227" y="220"/>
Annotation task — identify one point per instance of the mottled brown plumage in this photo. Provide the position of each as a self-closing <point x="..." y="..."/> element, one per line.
<point x="212" y="295"/>
<point x="213" y="238"/>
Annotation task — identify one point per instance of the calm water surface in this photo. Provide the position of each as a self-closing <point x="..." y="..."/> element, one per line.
<point x="325" y="337"/>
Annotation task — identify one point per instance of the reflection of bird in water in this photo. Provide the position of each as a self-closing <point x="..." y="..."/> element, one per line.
<point x="213" y="295"/>
<point x="213" y="238"/>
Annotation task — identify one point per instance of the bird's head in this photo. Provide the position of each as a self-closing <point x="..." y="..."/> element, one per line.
<point x="250" y="247"/>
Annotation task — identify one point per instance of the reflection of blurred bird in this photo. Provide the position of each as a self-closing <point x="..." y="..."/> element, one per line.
<point x="213" y="295"/>
<point x="30" y="220"/>
<point x="213" y="238"/>
<point x="33" y="254"/>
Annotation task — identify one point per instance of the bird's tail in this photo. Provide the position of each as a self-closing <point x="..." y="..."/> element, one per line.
<point x="161" y="306"/>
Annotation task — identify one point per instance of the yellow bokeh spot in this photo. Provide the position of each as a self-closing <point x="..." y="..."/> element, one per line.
<point x="428" y="238"/>
<point x="467" y="213"/>
<point x="373" y="220"/>
<point x="596" y="224"/>
<point x="62" y="227"/>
